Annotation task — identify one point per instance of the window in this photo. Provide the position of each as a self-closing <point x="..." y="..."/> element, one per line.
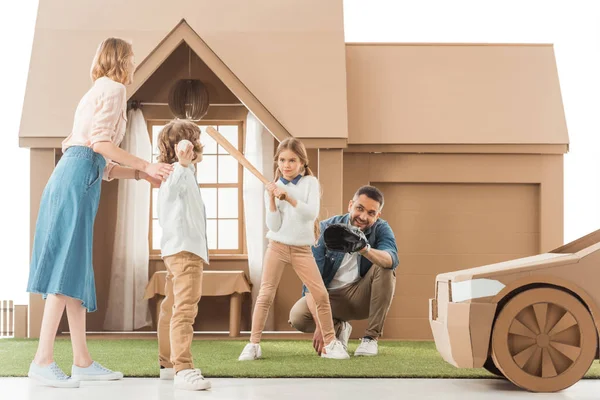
<point x="220" y="180"/>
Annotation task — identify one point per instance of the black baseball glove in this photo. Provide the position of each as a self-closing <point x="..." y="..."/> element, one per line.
<point x="344" y="238"/>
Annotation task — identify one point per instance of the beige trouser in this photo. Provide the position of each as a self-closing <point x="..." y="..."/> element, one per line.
<point x="183" y="289"/>
<point x="369" y="297"/>
<point x="279" y="255"/>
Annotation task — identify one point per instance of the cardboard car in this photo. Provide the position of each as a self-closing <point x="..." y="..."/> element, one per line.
<point x="533" y="320"/>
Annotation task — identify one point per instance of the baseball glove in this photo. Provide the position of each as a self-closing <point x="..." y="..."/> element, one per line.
<point x="344" y="238"/>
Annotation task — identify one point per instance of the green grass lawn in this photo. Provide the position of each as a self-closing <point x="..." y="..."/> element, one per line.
<point x="282" y="358"/>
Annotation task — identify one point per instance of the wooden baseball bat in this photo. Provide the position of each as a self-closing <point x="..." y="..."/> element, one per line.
<point x="220" y="139"/>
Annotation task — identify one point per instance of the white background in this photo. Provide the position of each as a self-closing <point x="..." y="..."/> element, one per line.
<point x="573" y="26"/>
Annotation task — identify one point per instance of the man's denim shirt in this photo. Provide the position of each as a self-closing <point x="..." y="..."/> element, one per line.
<point x="380" y="237"/>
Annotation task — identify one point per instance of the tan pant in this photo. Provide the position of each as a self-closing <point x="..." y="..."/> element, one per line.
<point x="277" y="256"/>
<point x="183" y="289"/>
<point x="370" y="297"/>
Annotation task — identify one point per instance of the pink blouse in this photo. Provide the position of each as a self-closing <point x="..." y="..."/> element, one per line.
<point x="100" y="117"/>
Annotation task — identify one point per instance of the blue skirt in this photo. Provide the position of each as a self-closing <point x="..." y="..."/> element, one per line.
<point x="61" y="260"/>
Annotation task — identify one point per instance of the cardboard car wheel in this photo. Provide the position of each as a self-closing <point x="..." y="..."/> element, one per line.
<point x="544" y="340"/>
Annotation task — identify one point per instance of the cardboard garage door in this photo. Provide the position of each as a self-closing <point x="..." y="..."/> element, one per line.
<point x="447" y="227"/>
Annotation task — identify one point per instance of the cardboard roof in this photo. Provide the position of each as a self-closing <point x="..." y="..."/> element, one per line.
<point x="454" y="94"/>
<point x="289" y="56"/>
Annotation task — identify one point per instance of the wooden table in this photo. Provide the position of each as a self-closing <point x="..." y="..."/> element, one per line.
<point x="214" y="283"/>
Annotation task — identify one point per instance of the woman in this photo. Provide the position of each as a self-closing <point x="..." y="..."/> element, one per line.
<point x="61" y="262"/>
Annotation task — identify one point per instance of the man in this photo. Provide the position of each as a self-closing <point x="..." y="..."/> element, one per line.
<point x="360" y="285"/>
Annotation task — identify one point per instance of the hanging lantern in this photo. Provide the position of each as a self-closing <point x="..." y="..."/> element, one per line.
<point x="188" y="99"/>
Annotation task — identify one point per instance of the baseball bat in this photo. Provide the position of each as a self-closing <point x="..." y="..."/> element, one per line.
<point x="235" y="153"/>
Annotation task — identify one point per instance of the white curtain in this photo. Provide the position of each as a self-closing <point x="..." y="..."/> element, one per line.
<point x="127" y="309"/>
<point x="258" y="149"/>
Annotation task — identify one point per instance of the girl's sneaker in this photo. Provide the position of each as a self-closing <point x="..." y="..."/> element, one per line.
<point x="51" y="375"/>
<point x="335" y="350"/>
<point x="251" y="352"/>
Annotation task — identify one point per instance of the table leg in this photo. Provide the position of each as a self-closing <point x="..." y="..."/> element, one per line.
<point x="235" y="314"/>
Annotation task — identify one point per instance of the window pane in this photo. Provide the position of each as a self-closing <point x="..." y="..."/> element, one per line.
<point x="211" y="233"/>
<point x="155" y="131"/>
<point x="210" y="146"/>
<point x="207" y="170"/>
<point x="209" y="197"/>
<point x="156" y="235"/>
<point x="230" y="132"/>
<point x="228" y="203"/>
<point x="228" y="169"/>
<point x="154" y="203"/>
<point x="228" y="234"/>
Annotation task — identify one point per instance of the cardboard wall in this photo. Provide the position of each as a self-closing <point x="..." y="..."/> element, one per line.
<point x="442" y="227"/>
<point x="451" y="212"/>
<point x="403" y="93"/>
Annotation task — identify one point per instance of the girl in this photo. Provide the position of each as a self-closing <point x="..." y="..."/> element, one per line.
<point x="61" y="262"/>
<point x="293" y="227"/>
<point x="184" y="250"/>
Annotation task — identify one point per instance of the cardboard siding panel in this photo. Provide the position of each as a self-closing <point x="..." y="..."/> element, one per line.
<point x="442" y="227"/>
<point x="453" y="94"/>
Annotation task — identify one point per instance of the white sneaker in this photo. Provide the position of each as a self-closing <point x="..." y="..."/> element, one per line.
<point x="251" y="352"/>
<point x="335" y="350"/>
<point x="51" y="375"/>
<point x="191" y="379"/>
<point x="367" y="347"/>
<point x="167" y="374"/>
<point x="344" y="335"/>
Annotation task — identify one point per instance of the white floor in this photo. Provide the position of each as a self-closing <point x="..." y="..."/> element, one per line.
<point x="292" y="389"/>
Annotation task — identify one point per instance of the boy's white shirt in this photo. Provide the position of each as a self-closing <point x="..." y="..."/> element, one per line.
<point x="290" y="225"/>
<point x="182" y="214"/>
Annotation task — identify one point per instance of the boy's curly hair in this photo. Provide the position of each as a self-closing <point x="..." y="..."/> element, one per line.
<point x="173" y="133"/>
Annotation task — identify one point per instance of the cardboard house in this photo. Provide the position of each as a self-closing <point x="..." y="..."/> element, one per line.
<point x="466" y="141"/>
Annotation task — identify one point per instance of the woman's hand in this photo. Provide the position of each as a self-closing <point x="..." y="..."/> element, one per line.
<point x="153" y="181"/>
<point x="159" y="171"/>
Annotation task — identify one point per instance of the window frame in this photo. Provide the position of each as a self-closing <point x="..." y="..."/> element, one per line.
<point x="223" y="254"/>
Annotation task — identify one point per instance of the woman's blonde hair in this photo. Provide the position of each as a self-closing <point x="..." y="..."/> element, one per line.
<point x="297" y="147"/>
<point x="173" y="133"/>
<point x="112" y="60"/>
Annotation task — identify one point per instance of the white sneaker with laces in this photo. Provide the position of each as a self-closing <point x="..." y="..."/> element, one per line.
<point x="335" y="350"/>
<point x="344" y="335"/>
<point x="167" y="374"/>
<point x="191" y="379"/>
<point x="367" y="347"/>
<point x="251" y="352"/>
<point x="51" y="375"/>
<point x="95" y="372"/>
